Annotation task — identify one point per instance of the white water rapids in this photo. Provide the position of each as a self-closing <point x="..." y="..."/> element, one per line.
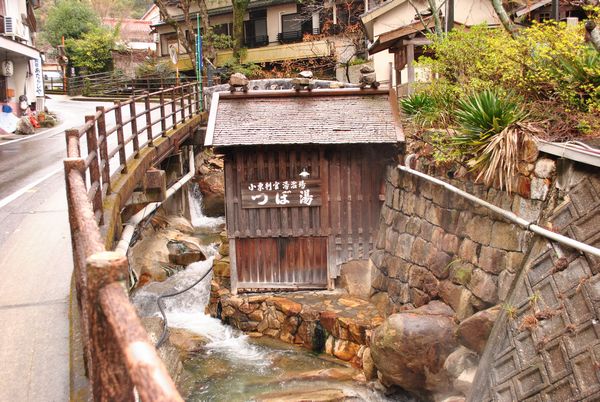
<point x="187" y="309"/>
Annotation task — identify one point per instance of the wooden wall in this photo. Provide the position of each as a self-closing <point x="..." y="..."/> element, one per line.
<point x="351" y="184"/>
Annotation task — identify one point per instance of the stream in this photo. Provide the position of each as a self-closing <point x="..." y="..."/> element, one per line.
<point x="232" y="366"/>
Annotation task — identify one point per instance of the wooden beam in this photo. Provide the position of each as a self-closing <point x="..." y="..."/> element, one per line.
<point x="417" y="42"/>
<point x="410" y="58"/>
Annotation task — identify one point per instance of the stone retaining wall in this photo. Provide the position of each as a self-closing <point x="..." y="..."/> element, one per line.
<point x="433" y="244"/>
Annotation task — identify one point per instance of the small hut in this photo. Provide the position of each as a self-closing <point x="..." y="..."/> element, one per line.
<point x="304" y="177"/>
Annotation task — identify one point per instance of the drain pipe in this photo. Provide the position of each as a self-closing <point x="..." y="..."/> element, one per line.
<point x="511" y="216"/>
<point x="129" y="227"/>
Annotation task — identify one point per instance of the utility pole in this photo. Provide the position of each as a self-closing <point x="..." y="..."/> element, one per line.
<point x="556" y="10"/>
<point x="450" y="15"/>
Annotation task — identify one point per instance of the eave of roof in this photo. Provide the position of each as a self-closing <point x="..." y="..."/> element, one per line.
<point x="393" y="121"/>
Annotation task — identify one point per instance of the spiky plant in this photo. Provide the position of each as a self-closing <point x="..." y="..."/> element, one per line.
<point x="419" y="107"/>
<point x="490" y="131"/>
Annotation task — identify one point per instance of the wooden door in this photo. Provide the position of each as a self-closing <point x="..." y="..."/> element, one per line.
<point x="281" y="263"/>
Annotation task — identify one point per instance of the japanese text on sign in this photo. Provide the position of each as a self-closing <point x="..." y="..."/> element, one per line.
<point x="281" y="193"/>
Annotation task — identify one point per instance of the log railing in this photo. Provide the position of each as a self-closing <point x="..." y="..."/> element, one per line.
<point x="118" y="354"/>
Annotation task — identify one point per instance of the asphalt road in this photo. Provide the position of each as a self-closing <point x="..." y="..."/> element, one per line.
<point x="35" y="261"/>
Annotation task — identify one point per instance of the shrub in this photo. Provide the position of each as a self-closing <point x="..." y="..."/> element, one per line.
<point x="490" y="132"/>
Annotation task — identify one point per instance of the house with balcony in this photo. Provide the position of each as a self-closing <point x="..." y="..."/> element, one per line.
<point x="397" y="34"/>
<point x="21" y="63"/>
<point x="274" y="31"/>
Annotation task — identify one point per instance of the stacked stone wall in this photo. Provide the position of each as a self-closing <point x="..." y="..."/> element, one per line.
<point x="436" y="245"/>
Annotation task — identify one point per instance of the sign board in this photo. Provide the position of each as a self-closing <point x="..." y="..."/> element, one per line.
<point x="281" y="193"/>
<point x="173" y="54"/>
<point x="36" y="69"/>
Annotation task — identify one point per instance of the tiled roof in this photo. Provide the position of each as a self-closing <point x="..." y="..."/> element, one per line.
<point x="131" y="30"/>
<point x="338" y="116"/>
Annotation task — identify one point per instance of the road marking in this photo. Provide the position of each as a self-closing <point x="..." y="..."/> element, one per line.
<point x="58" y="129"/>
<point x="7" y="200"/>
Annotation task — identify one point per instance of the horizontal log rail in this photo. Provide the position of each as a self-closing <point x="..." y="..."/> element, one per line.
<point x="118" y="353"/>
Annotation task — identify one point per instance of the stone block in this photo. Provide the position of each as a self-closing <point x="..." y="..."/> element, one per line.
<point x="469" y="251"/>
<point x="393" y="175"/>
<point x="424" y="280"/>
<point x="418" y="297"/>
<point x="505" y="280"/>
<point x="457" y="297"/>
<point x="460" y="272"/>
<point x="400" y="221"/>
<point x="413" y="225"/>
<point x="437" y="236"/>
<point x="409" y="200"/>
<point x="433" y="214"/>
<point x="426" y="230"/>
<point x="377" y="257"/>
<point x="396" y="199"/>
<point x="379" y="281"/>
<point x="539" y="188"/>
<point x="450" y="243"/>
<point x="545" y="168"/>
<point x="398" y="268"/>
<point x="404" y="245"/>
<point x="529" y="151"/>
<point x="514" y="261"/>
<point x="474" y="332"/>
<point x="505" y="236"/>
<point x="398" y="291"/>
<point x="479" y="229"/>
<point x="492" y="260"/>
<point x="522" y="186"/>
<point x="439" y="263"/>
<point x="484" y="286"/>
<point x="419" y="252"/>
<point x="527" y="209"/>
<point x="391" y="239"/>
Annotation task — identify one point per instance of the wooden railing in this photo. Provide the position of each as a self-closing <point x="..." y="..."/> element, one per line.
<point x="115" y="83"/>
<point x="117" y="351"/>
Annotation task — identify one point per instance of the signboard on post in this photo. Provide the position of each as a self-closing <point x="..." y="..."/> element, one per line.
<point x="36" y="69"/>
<point x="281" y="193"/>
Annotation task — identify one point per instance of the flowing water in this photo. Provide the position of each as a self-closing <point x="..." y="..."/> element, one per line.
<point x="232" y="366"/>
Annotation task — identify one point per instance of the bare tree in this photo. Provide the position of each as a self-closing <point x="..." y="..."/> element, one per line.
<point x="186" y="29"/>
<point x="239" y="11"/>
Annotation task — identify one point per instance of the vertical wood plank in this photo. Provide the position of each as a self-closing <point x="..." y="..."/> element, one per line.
<point x="234" y="275"/>
<point x="163" y="118"/>
<point x="344" y="185"/>
<point x="103" y="147"/>
<point x="283" y="163"/>
<point x="120" y="138"/>
<point x="148" y="119"/>
<point x="355" y="200"/>
<point x="134" y="129"/>
<point x="262" y="176"/>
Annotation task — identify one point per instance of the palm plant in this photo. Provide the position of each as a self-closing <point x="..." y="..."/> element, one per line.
<point x="490" y="130"/>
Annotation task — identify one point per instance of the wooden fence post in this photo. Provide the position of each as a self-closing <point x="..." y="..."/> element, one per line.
<point x="148" y="119"/>
<point x="182" y="102"/>
<point x="190" y="97"/>
<point x="173" y="107"/>
<point x="103" y="146"/>
<point x="110" y="381"/>
<point x="163" y="123"/>
<point x="94" y="167"/>
<point x="120" y="138"/>
<point x="134" y="131"/>
<point x="72" y="139"/>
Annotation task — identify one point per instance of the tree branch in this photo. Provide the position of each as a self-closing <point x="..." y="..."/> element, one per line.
<point x="420" y="18"/>
<point x="504" y="18"/>
<point x="594" y="32"/>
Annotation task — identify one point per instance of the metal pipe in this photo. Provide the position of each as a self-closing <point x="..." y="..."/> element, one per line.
<point x="129" y="227"/>
<point x="567" y="241"/>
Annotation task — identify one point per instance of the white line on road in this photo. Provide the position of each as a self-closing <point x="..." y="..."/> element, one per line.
<point x="7" y="200"/>
<point x="50" y="130"/>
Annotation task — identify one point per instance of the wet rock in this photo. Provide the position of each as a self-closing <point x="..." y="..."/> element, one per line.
<point x="460" y="360"/>
<point x="222" y="268"/>
<point x="335" y="374"/>
<point x="186" y="341"/>
<point x="369" y="365"/>
<point x="475" y="330"/>
<point x="212" y="187"/>
<point x="302" y="394"/>
<point x="345" y="350"/>
<point x="182" y="252"/>
<point x="180" y="224"/>
<point x="409" y="349"/>
<point x="355" y="277"/>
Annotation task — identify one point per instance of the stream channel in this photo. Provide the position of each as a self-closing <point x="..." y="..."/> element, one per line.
<point x="232" y="366"/>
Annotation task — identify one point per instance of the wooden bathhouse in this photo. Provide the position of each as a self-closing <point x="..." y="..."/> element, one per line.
<point x="304" y="175"/>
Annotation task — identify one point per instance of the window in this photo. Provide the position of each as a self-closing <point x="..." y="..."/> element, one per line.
<point x="291" y="22"/>
<point x="223" y="29"/>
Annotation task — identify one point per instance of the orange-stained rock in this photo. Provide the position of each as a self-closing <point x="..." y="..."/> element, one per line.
<point x="286" y="306"/>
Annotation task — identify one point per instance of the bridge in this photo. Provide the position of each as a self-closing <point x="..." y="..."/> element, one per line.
<point x="114" y="156"/>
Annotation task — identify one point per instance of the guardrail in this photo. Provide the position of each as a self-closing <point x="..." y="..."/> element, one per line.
<point x="117" y="351"/>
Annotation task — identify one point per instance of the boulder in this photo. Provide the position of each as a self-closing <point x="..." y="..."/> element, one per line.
<point x="184" y="253"/>
<point x="24" y="126"/>
<point x="366" y="69"/>
<point x="212" y="187"/>
<point x="355" y="277"/>
<point x="305" y="74"/>
<point x="238" y="80"/>
<point x="474" y="331"/>
<point x="180" y="224"/>
<point x="368" y="365"/>
<point x="409" y="349"/>
<point x="460" y="360"/>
